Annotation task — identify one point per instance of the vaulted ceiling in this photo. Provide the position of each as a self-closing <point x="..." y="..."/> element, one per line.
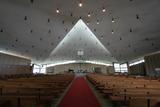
<point x="128" y="28"/>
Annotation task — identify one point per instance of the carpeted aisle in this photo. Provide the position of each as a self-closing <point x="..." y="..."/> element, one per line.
<point x="79" y="95"/>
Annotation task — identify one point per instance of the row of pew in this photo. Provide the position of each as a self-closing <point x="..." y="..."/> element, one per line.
<point x="12" y="76"/>
<point x="128" y="91"/>
<point x="24" y="75"/>
<point x="33" y="91"/>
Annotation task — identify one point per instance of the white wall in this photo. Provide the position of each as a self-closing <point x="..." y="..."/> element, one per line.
<point x="76" y="67"/>
<point x="12" y="65"/>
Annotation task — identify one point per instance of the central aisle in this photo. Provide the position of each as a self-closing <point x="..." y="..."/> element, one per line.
<point x="79" y="95"/>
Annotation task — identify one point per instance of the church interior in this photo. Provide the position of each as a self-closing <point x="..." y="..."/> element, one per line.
<point x="79" y="53"/>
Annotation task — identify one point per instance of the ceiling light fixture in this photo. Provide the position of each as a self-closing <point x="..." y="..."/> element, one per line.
<point x="57" y="10"/>
<point x="97" y="22"/>
<point x="80" y="4"/>
<point x="103" y="10"/>
<point x="87" y="23"/>
<point x="113" y="20"/>
<point x="101" y="37"/>
<point x="112" y="31"/>
<point x="89" y="14"/>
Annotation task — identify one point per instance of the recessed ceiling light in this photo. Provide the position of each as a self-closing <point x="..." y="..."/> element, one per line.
<point x="103" y="10"/>
<point x="57" y="11"/>
<point x="80" y="4"/>
<point x="89" y="14"/>
<point x="113" y="20"/>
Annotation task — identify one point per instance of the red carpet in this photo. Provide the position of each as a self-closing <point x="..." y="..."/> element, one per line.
<point x="79" y="95"/>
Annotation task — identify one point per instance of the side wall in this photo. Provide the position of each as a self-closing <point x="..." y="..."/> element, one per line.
<point x="151" y="66"/>
<point x="152" y="63"/>
<point x="138" y="69"/>
<point x="14" y="65"/>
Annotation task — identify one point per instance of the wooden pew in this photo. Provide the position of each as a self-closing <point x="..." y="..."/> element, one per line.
<point x="33" y="89"/>
<point x="127" y="89"/>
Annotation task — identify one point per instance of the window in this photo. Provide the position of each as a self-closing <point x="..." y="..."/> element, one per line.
<point x="43" y="69"/>
<point x="80" y="53"/>
<point x="117" y="67"/>
<point x="36" y="69"/>
<point x="123" y="67"/>
<point x="39" y="69"/>
<point x="120" y="67"/>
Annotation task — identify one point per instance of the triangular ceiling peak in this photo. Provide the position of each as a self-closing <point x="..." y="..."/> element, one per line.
<point x="80" y="39"/>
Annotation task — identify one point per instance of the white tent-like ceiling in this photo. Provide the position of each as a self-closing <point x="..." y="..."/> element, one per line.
<point x="80" y="39"/>
<point x="128" y="29"/>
